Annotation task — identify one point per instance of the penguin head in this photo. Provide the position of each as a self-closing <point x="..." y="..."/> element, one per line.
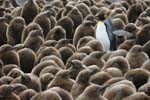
<point x="102" y="14"/>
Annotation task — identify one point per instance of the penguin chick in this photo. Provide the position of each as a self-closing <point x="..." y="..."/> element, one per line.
<point x="145" y="88"/>
<point x="29" y="80"/>
<point x="65" y="95"/>
<point x="62" y="80"/>
<point x="95" y="58"/>
<point x="56" y="33"/>
<point x="143" y="35"/>
<point x="14" y="73"/>
<point x="100" y="78"/>
<point x="127" y="44"/>
<point x="76" y="67"/>
<point x="14" y="30"/>
<point x="29" y="5"/>
<point x="118" y="62"/>
<point x="68" y="26"/>
<point x="6" y="93"/>
<point x="114" y="72"/>
<point x="95" y="45"/>
<point x="27" y="59"/>
<point x="65" y="52"/>
<point x="137" y="96"/>
<point x="27" y="94"/>
<point x="136" y="57"/>
<point x="85" y="49"/>
<point x="81" y="31"/>
<point x="77" y="56"/>
<point x="46" y="95"/>
<point x="30" y="27"/>
<point x="39" y="67"/>
<point x="46" y="51"/>
<point x="54" y="58"/>
<point x="81" y="82"/>
<point x="134" y="75"/>
<point x="118" y="92"/>
<point x="45" y="79"/>
<point x="120" y="52"/>
<point x="7" y="68"/>
<point x="8" y="55"/>
<point x="146" y="48"/>
<point x="34" y="40"/>
<point x="92" y="92"/>
<point x="146" y="65"/>
<point x="43" y="20"/>
<point x="83" y="41"/>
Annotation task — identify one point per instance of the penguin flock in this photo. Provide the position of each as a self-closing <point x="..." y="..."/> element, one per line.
<point x="74" y="49"/>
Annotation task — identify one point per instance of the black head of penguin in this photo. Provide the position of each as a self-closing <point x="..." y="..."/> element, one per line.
<point x="134" y="75"/>
<point x="56" y="33"/>
<point x="103" y="13"/>
<point x="8" y="55"/>
<point x="143" y="35"/>
<point x="29" y="5"/>
<point x="34" y="40"/>
<point x="28" y="29"/>
<point x="136" y="57"/>
<point x="14" y="30"/>
<point x="68" y="25"/>
<point x="43" y="20"/>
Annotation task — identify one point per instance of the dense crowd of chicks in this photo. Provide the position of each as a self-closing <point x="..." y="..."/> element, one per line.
<point x="48" y="50"/>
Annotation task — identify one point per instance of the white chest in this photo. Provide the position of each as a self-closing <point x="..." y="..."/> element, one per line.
<point x="102" y="36"/>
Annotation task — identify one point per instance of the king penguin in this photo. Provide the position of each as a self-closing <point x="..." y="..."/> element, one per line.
<point x="104" y="31"/>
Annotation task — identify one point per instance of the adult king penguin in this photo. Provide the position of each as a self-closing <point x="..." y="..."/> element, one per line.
<point x="105" y="33"/>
